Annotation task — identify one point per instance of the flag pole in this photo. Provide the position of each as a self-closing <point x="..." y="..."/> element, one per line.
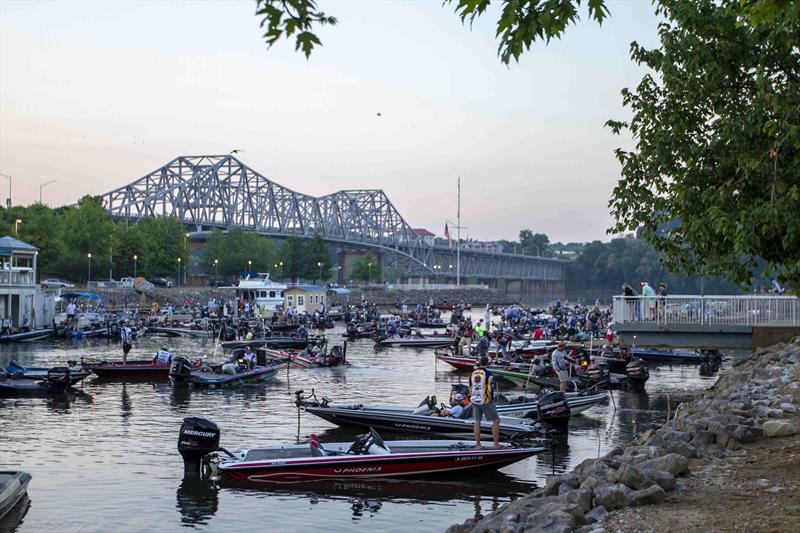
<point x="458" y="237"/>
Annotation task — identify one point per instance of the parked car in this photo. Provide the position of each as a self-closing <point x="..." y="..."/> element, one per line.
<point x="160" y="282"/>
<point x="55" y="283"/>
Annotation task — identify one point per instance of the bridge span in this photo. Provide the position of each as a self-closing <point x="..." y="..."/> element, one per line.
<point x="685" y="321"/>
<point x="220" y="192"/>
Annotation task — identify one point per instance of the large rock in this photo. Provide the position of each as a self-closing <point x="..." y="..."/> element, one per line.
<point x="598" y="514"/>
<point x="665" y="480"/>
<point x="611" y="496"/>
<point x="582" y="497"/>
<point x="550" y="521"/>
<point x="672" y="462"/>
<point x="649" y="496"/>
<point x="553" y="484"/>
<point x="633" y="477"/>
<point x="778" y="428"/>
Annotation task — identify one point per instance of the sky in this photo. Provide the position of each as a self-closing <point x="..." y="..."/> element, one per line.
<point x="96" y="95"/>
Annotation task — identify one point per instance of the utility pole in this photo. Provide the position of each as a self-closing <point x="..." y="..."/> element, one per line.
<point x="458" y="236"/>
<point x="8" y="200"/>
<point x="42" y="186"/>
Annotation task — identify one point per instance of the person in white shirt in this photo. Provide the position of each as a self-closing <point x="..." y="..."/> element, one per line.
<point x="163" y="357"/>
<point x="249" y="357"/>
<point x="126" y="337"/>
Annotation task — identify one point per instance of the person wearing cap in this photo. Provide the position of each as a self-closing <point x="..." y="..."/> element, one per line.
<point x="661" y="301"/>
<point x="163" y="356"/>
<point x="560" y="360"/>
<point x="456" y="407"/>
<point x="481" y="393"/>
<point x="249" y="357"/>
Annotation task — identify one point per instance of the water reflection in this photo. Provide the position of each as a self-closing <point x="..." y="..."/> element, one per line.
<point x="197" y="500"/>
<point x="14" y="518"/>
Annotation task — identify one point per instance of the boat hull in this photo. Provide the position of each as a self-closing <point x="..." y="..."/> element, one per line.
<point x="134" y="370"/>
<point x="13" y="486"/>
<point x="375" y="466"/>
<point x="402" y="422"/>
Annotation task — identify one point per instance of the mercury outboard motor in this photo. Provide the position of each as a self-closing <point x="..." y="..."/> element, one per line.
<point x="58" y="378"/>
<point x="180" y="370"/>
<point x="553" y="409"/>
<point x="637" y="374"/>
<point x="198" y="437"/>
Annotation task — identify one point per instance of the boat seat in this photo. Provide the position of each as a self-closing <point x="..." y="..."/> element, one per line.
<point x="316" y="449"/>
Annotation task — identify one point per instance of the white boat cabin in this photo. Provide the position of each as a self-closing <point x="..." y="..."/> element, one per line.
<point x="261" y="293"/>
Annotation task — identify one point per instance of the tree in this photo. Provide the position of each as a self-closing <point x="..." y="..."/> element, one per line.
<point x="717" y="140"/>
<point x="80" y="231"/>
<point x="521" y="23"/>
<point x="366" y="269"/>
<point x="128" y="242"/>
<point x="163" y="241"/>
<point x="237" y="251"/>
<point x="292" y="253"/>
<point x="533" y="243"/>
<point x="317" y="259"/>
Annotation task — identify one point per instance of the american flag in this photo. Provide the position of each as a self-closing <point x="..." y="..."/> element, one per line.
<point x="447" y="235"/>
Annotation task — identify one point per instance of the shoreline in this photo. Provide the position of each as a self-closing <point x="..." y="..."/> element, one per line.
<point x="673" y="476"/>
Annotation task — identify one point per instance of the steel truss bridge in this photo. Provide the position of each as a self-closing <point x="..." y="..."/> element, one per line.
<point x="221" y="192"/>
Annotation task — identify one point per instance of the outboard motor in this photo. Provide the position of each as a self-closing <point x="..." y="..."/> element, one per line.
<point x="58" y="378"/>
<point x="637" y="374"/>
<point x="337" y="356"/>
<point x="553" y="409"/>
<point x="180" y="371"/>
<point x="598" y="374"/>
<point x="198" y="437"/>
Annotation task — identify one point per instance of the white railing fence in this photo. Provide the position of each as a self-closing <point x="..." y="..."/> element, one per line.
<point x="708" y="310"/>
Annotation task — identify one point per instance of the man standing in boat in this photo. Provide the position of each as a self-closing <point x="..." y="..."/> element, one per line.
<point x="126" y="336"/>
<point x="560" y="360"/>
<point x="481" y="392"/>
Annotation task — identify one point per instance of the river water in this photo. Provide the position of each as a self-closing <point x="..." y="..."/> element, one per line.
<point x="105" y="458"/>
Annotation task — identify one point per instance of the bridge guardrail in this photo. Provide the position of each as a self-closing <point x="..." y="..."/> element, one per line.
<point x="752" y="310"/>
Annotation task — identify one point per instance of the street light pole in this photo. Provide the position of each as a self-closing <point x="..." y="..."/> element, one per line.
<point x="89" y="277"/>
<point x="216" y="272"/>
<point x="135" y="258"/>
<point x="17" y="222"/>
<point x="319" y="264"/>
<point x="179" y="272"/>
<point x="8" y="200"/>
<point x="369" y="273"/>
<point x="42" y="186"/>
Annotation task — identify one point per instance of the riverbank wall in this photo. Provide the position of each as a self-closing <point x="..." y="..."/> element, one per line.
<point x="754" y="401"/>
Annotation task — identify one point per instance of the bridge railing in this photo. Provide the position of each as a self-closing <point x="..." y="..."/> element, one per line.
<point x="708" y="310"/>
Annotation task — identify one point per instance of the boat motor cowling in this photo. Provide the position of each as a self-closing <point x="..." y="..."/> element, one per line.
<point x="180" y="370"/>
<point x="553" y="409"/>
<point x="198" y="437"/>
<point x="58" y="378"/>
<point x="637" y="374"/>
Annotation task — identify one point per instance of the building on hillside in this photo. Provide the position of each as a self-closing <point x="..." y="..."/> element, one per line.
<point x="425" y="235"/>
<point x="308" y="298"/>
<point x="19" y="293"/>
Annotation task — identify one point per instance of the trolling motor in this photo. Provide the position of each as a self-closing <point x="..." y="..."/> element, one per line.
<point x="309" y="401"/>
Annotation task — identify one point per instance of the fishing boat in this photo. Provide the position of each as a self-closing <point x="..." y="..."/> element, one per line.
<point x="32" y="335"/>
<point x="368" y="456"/>
<point x="133" y="370"/>
<point x="76" y="372"/>
<point x="57" y="381"/>
<point x="275" y="343"/>
<point x="305" y="359"/>
<point x="552" y="410"/>
<point x="13" y="486"/>
<point x="419" y="341"/>
<point x="181" y="332"/>
<point x="263" y="294"/>
<point x="183" y="373"/>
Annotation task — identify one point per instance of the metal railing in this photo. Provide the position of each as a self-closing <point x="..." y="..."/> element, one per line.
<point x="708" y="310"/>
<point x="20" y="278"/>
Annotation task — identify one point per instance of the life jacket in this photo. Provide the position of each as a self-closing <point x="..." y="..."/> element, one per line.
<point x="481" y="387"/>
<point x="162" y="357"/>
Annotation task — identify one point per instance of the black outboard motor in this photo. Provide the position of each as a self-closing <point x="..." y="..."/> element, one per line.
<point x="58" y="379"/>
<point x="637" y="374"/>
<point x="553" y="409"/>
<point x="337" y="356"/>
<point x="597" y="374"/>
<point x="198" y="437"/>
<point x="180" y="371"/>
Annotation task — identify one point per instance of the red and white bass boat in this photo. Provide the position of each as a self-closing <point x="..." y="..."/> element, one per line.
<point x="368" y="456"/>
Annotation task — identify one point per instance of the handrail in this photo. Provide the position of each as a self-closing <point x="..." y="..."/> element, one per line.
<point x="744" y="310"/>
